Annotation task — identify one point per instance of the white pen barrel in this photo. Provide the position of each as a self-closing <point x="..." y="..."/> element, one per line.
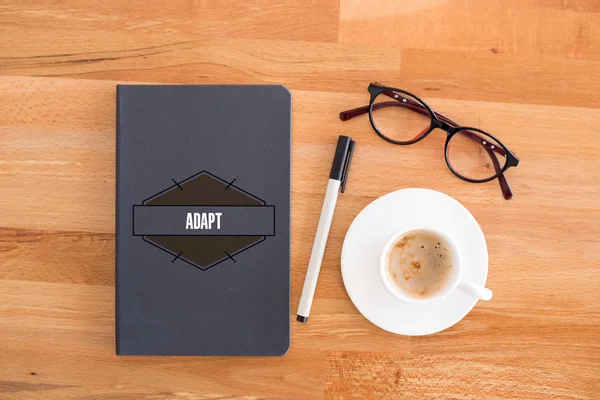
<point x="316" y="257"/>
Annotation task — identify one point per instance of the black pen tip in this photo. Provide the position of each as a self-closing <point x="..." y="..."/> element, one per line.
<point x="302" y="319"/>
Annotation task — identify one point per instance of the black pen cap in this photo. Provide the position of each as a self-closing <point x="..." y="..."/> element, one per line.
<point x="339" y="160"/>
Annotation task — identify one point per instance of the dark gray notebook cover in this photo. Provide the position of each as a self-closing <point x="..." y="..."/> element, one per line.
<point x="203" y="220"/>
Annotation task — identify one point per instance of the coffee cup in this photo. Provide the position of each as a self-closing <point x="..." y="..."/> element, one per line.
<point x="426" y="271"/>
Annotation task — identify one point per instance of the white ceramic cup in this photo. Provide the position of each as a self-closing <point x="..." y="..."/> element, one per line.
<point x="454" y="282"/>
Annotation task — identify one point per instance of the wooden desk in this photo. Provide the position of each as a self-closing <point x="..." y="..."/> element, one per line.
<point x="525" y="71"/>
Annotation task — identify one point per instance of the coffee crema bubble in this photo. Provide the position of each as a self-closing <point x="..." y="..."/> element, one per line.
<point x="420" y="263"/>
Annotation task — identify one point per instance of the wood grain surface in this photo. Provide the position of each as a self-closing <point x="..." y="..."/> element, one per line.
<point x="527" y="71"/>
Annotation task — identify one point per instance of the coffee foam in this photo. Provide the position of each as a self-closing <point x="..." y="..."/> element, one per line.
<point x="420" y="263"/>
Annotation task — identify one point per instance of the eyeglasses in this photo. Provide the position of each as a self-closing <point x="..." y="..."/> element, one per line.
<point x="402" y="118"/>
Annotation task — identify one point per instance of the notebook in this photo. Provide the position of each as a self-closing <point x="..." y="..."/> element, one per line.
<point x="203" y="220"/>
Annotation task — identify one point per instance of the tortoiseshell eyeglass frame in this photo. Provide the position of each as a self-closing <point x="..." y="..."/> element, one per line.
<point x="402" y="98"/>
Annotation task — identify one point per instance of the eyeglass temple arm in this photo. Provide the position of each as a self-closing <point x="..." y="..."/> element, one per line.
<point x="414" y="106"/>
<point x="504" y="186"/>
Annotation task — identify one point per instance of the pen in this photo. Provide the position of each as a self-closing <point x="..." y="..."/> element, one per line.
<point x="337" y="180"/>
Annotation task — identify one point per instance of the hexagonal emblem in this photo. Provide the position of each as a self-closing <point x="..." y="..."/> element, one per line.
<point x="242" y="220"/>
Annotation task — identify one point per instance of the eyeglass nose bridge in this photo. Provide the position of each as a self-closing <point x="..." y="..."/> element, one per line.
<point x="449" y="129"/>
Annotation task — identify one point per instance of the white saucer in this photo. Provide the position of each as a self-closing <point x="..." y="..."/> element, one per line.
<point x="376" y="223"/>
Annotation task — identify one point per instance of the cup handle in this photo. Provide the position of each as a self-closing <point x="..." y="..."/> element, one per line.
<point x="475" y="290"/>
